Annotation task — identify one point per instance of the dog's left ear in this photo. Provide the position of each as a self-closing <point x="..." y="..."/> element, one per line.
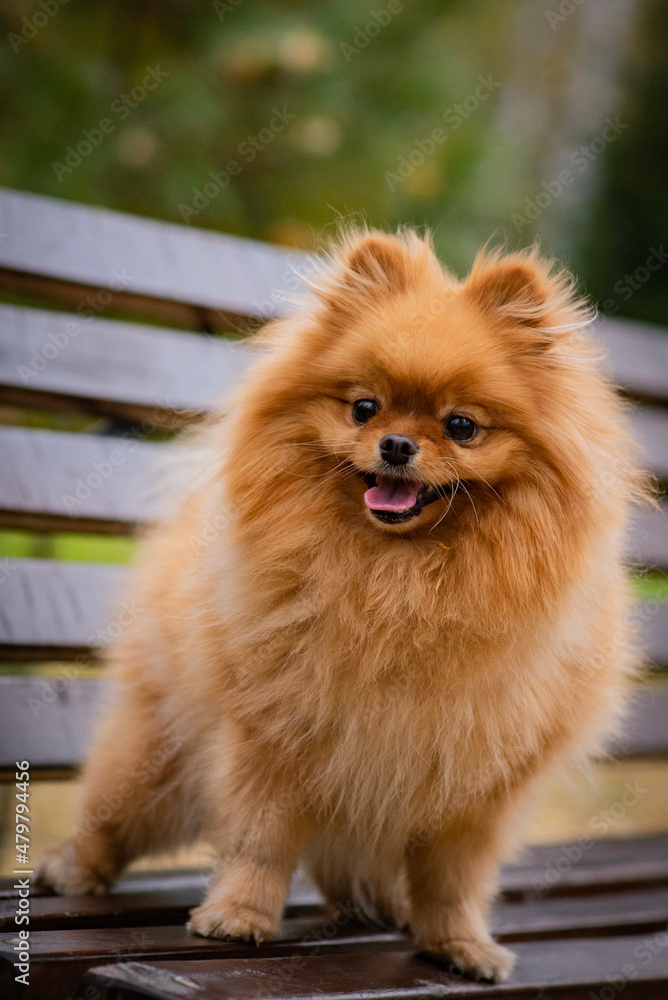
<point x="525" y="293"/>
<point x="510" y="287"/>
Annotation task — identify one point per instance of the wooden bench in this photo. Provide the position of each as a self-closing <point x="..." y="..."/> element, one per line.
<point x="586" y="919"/>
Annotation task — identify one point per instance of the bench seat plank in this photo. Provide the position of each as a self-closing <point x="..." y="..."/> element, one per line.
<point x="563" y="969"/>
<point x="544" y="869"/>
<point x="58" y="959"/>
<point x="92" y="246"/>
<point x="135" y="908"/>
<point x="87" y="925"/>
<point x="547" y="871"/>
<point x="62" y="956"/>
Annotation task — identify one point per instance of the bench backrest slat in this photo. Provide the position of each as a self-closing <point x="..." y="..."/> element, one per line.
<point x="102" y="364"/>
<point x="53" y="610"/>
<point x="50" y="722"/>
<point x="99" y="249"/>
<point x="111" y="484"/>
<point x="52" y="360"/>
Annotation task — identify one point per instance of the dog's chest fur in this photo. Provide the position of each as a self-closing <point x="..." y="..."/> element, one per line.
<point x="385" y="722"/>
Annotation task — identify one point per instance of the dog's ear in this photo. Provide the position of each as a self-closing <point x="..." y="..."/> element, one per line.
<point x="376" y="262"/>
<point x="528" y="295"/>
<point x="364" y="269"/>
<point x="371" y="267"/>
<point x="510" y="287"/>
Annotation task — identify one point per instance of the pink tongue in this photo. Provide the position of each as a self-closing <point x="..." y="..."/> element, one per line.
<point x="392" y="494"/>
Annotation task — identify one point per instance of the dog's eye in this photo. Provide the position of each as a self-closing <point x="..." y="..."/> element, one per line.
<point x="364" y="409"/>
<point x="460" y="428"/>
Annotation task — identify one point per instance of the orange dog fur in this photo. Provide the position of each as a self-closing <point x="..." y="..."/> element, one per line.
<point x="378" y="698"/>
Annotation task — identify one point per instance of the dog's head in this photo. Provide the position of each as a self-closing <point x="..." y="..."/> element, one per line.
<point x="409" y="399"/>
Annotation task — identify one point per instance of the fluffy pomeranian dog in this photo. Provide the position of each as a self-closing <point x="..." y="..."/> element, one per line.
<point x="399" y="622"/>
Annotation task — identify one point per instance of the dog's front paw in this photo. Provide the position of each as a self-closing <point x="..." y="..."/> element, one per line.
<point x="477" y="959"/>
<point x="63" y="871"/>
<point x="231" y="922"/>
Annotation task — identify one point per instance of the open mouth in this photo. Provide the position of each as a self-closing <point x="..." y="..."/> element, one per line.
<point x="394" y="500"/>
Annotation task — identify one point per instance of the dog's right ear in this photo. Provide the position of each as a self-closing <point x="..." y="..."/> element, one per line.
<point x="365" y="268"/>
<point x="376" y="262"/>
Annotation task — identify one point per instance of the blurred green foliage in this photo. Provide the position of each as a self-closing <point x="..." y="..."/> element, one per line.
<point x="367" y="88"/>
<point x="66" y="545"/>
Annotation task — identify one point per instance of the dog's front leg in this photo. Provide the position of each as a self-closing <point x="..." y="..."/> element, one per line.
<point x="258" y="839"/>
<point x="452" y="880"/>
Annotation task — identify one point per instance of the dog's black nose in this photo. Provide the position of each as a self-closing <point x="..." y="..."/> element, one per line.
<point x="396" y="449"/>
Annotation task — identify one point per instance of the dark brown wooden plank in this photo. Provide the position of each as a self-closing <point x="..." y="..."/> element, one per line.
<point x="59" y="958"/>
<point x="600" y="865"/>
<point x="582" y="916"/>
<point x="53" y="360"/>
<point x="557" y="969"/>
<point x="596" y="885"/>
<point x="94" y="247"/>
<point x="588" y="865"/>
<point x="135" y="908"/>
<point x="142" y="880"/>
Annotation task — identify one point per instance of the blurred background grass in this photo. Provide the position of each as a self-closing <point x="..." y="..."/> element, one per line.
<point x="465" y="117"/>
<point x="365" y="87"/>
